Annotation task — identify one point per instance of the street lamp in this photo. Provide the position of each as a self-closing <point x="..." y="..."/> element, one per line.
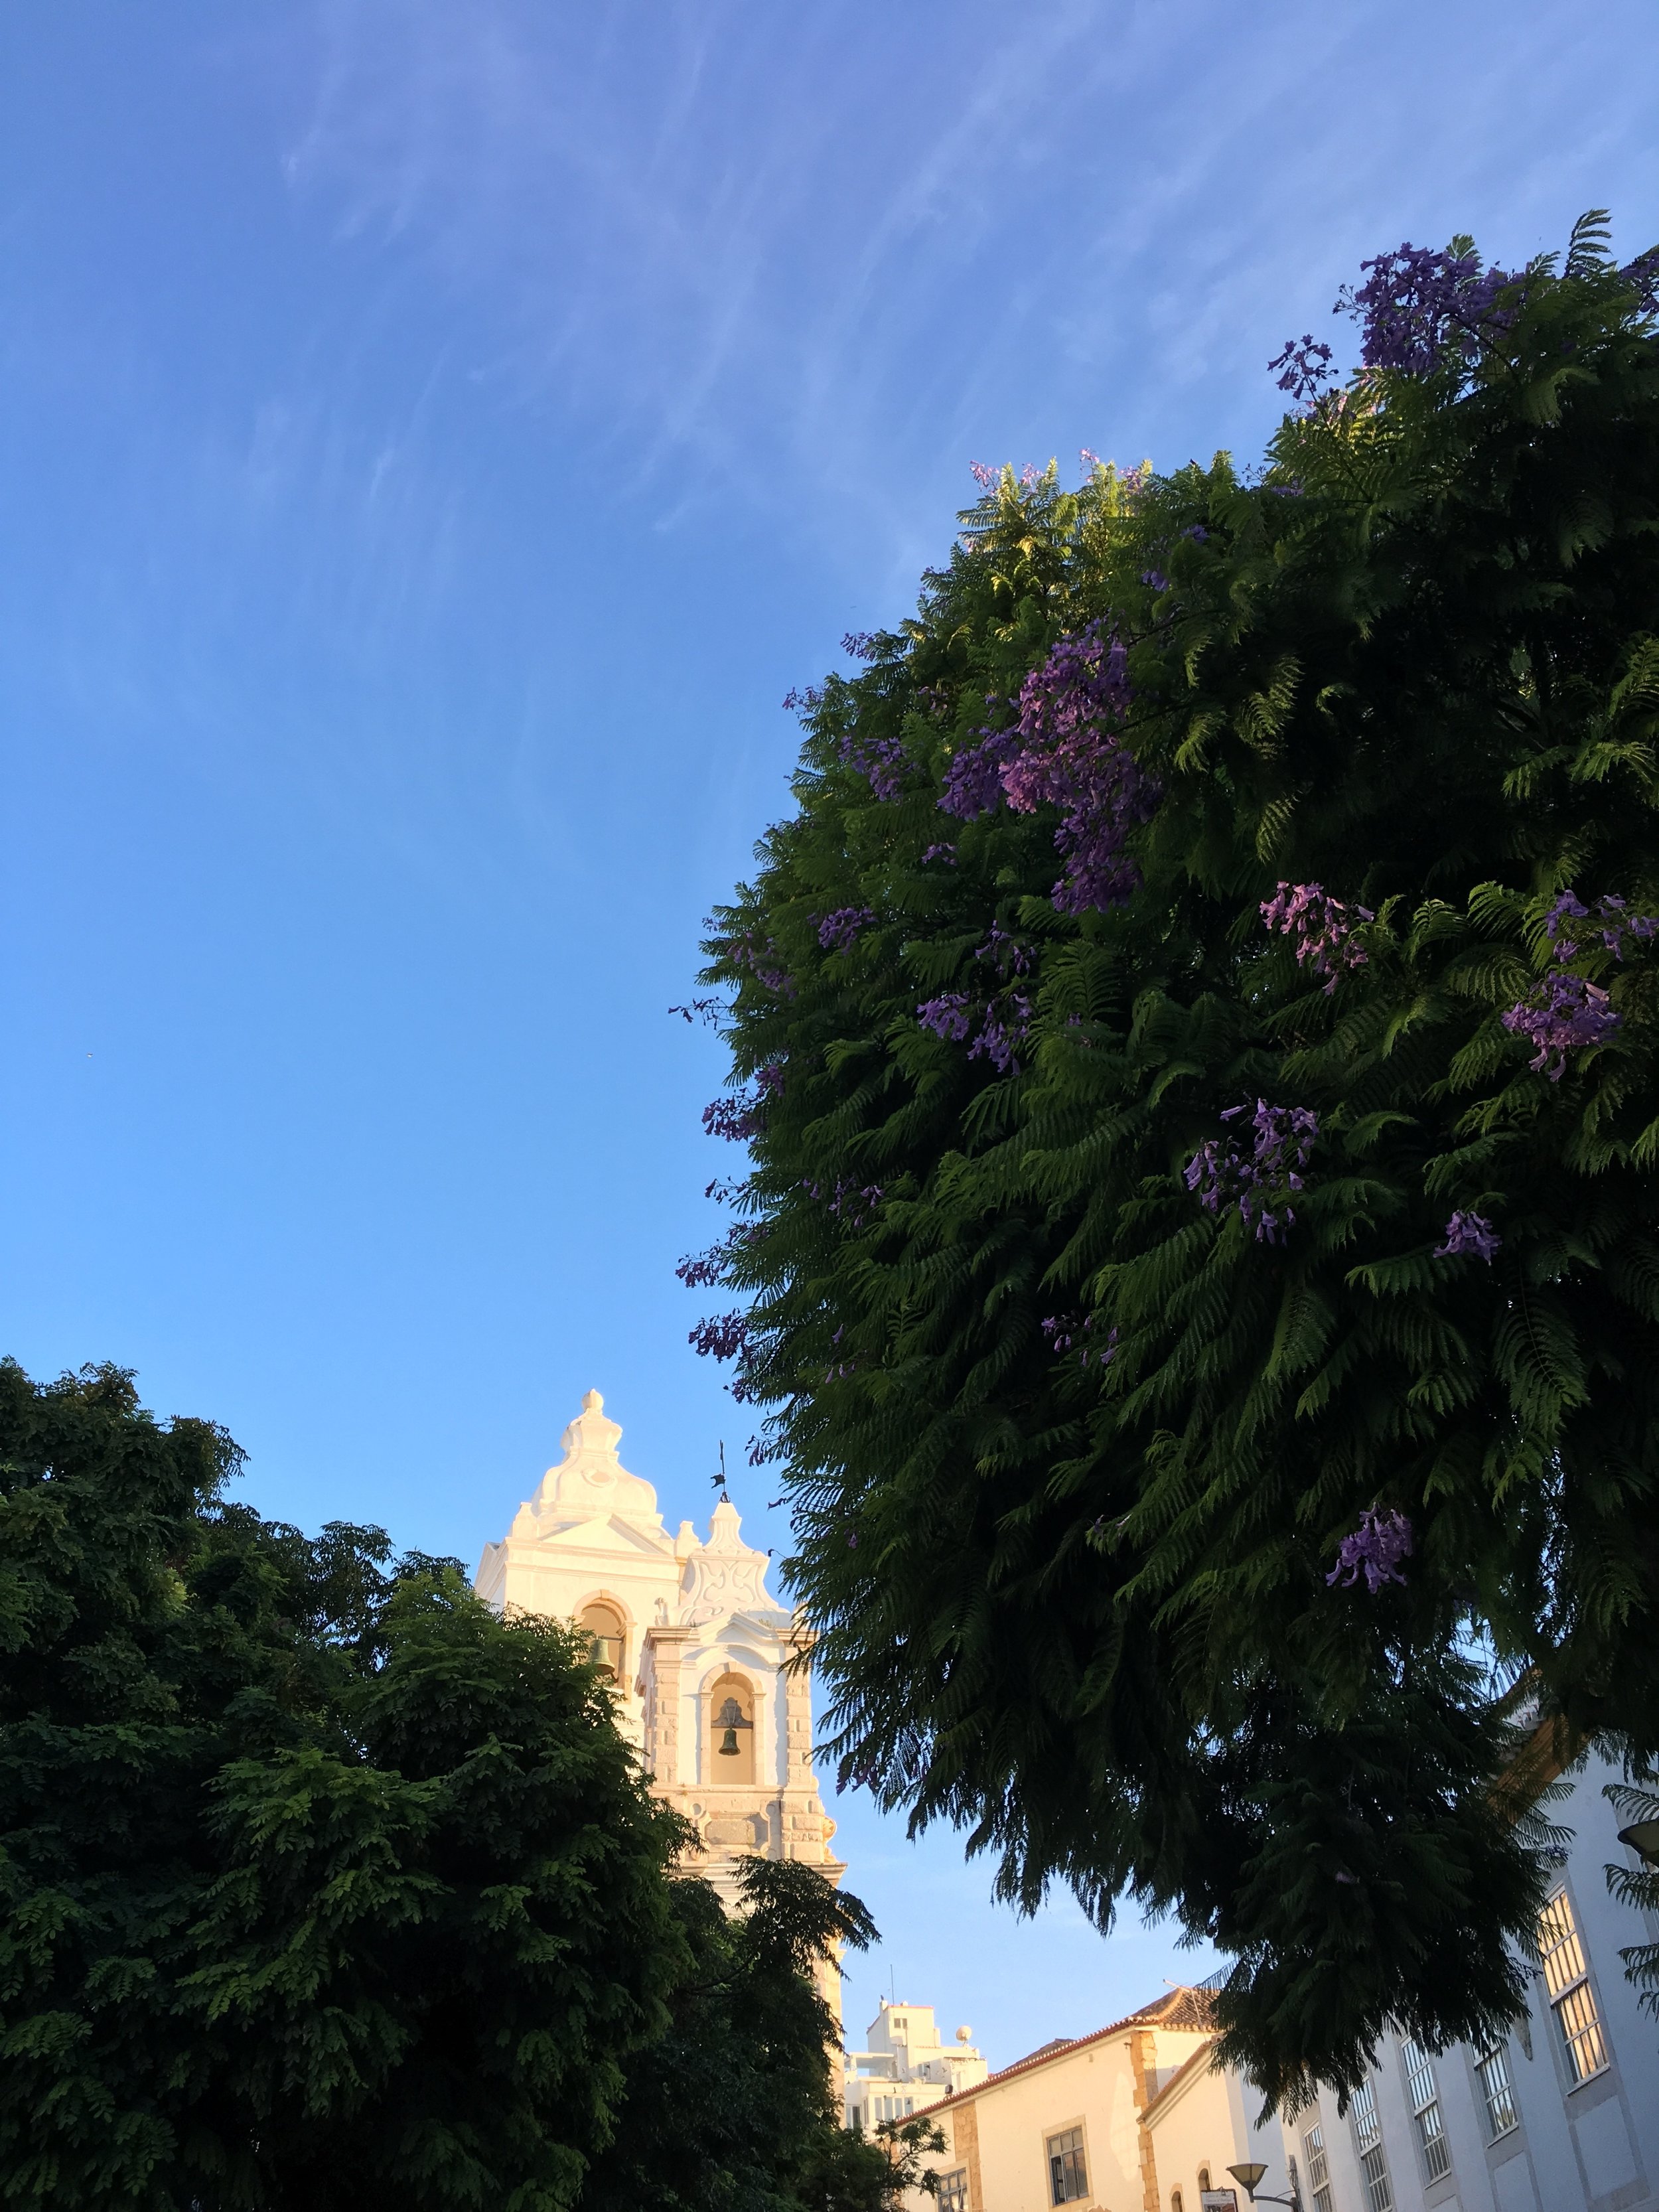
<point x="1248" y="2177"/>
<point x="1643" y="1837"/>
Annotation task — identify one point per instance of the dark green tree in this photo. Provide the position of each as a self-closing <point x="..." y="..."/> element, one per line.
<point x="1200" y="1263"/>
<point x="732" y="2110"/>
<point x="320" y="1885"/>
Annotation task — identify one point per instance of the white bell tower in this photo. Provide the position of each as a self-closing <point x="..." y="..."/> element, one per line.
<point x="700" y="1652"/>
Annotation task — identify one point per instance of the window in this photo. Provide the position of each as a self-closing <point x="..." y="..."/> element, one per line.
<point x="953" y="2191"/>
<point x="1567" y="1977"/>
<point x="1067" y="2178"/>
<point x="1493" y="2072"/>
<point x="1319" y="2171"/>
<point x="891" y="2108"/>
<point x="1176" y="2204"/>
<point x="731" y="1705"/>
<point x="855" y="2119"/>
<point x="604" y="1630"/>
<point x="1368" y="2145"/>
<point x="1425" y="2099"/>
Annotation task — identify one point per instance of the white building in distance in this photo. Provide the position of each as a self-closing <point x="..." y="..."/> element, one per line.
<point x="906" y="2067"/>
<point x="712" y="1685"/>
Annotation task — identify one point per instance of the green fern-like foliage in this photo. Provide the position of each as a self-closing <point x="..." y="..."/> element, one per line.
<point x="1073" y="1453"/>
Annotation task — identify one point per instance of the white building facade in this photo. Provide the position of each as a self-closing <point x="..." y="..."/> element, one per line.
<point x="905" y="2067"/>
<point x="710" y="1673"/>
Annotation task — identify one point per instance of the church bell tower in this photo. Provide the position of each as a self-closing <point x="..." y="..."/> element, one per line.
<point x="711" y="1686"/>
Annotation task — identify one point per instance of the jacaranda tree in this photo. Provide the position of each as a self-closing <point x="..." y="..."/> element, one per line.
<point x="1199" y="1259"/>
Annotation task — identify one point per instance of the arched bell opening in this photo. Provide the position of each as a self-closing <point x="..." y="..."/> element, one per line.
<point x="730" y="1706"/>
<point x="607" y="1638"/>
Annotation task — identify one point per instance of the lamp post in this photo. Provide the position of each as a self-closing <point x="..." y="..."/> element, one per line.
<point x="1248" y="2177"/>
<point x="1643" y="1837"/>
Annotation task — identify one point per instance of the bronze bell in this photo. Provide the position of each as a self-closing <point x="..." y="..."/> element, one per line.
<point x="730" y="1719"/>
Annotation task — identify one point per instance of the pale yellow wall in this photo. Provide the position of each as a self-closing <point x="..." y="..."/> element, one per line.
<point x="1204" y="2123"/>
<point x="1093" y="2085"/>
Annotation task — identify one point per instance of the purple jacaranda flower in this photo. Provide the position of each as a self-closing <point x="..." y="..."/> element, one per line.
<point x="1011" y="955"/>
<point x="1155" y="580"/>
<point x="701" y="1009"/>
<point x="1028" y="476"/>
<point x="1469" y="1232"/>
<point x="838" y="930"/>
<point x="1320" y="926"/>
<point x="1071" y="756"/>
<point x="1222" y="1174"/>
<point x="1304" y="365"/>
<point x="1196" y="530"/>
<point x="946" y="1015"/>
<point x="973" y="780"/>
<point x="984" y="477"/>
<point x="761" y="957"/>
<point x="803" y="699"/>
<point x="1374" y="1550"/>
<point x="940" y="852"/>
<point x="1422" y="310"/>
<point x="736" y="1118"/>
<point x="1564" y="1012"/>
<point x="1643" y="275"/>
<point x="859" y="644"/>
<point x="1610" y="919"/>
<point x="1075" y="1332"/>
<point x="721" y="1336"/>
<point x="1006" y="1024"/>
<point x="1088" y="458"/>
<point x="880" y="761"/>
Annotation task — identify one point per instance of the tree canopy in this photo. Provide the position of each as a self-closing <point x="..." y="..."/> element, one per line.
<point x="319" y="1884"/>
<point x="1195" y="1040"/>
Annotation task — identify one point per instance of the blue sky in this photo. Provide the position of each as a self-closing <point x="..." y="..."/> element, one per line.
<point x="433" y="438"/>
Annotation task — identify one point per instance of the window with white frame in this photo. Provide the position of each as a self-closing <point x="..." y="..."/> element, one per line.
<point x="1491" y="2070"/>
<point x="953" y="2190"/>
<point x="1319" y="2170"/>
<point x="1422" y="2094"/>
<point x="1572" y="2001"/>
<point x="1368" y="2147"/>
<point x="1068" y="2177"/>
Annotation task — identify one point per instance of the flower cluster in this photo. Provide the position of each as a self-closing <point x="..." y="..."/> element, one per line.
<point x="879" y="760"/>
<point x="737" y="1119"/>
<point x="1422" y="310"/>
<point x="859" y="644"/>
<point x="1610" y="919"/>
<point x="1320" y="927"/>
<point x="1469" y="1232"/>
<point x="1375" y="1550"/>
<point x="699" y="1270"/>
<point x="947" y="1015"/>
<point x="1222" y="1173"/>
<point x="1063" y="751"/>
<point x="1303" y="366"/>
<point x="761" y="957"/>
<point x="1006" y="1026"/>
<point x="849" y="1201"/>
<point x="1071" y="1332"/>
<point x="1565" y="1011"/>
<point x="940" y="852"/>
<point x="721" y="1336"/>
<point x="838" y="930"/>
